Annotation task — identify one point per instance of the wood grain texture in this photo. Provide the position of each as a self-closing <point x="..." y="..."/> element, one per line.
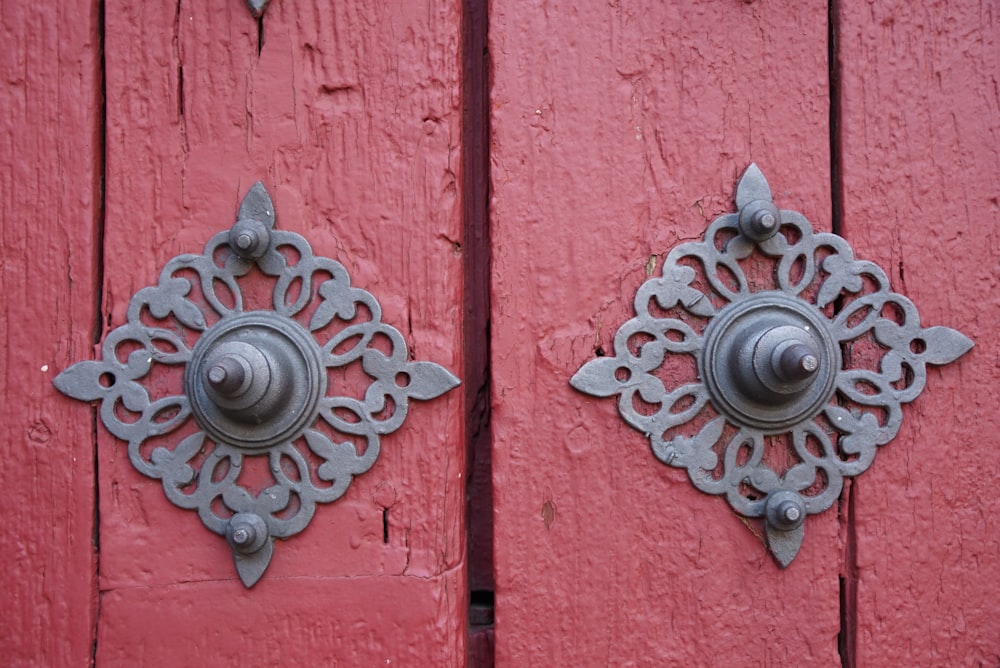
<point x="350" y="115"/>
<point x="50" y="148"/>
<point x="363" y="621"/>
<point x="921" y="157"/>
<point x="619" y="130"/>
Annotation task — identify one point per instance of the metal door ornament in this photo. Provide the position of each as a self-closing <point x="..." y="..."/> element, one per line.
<point x="257" y="7"/>
<point x="810" y="372"/>
<point x="255" y="383"/>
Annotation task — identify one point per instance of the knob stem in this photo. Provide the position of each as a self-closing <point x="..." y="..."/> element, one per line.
<point x="237" y="377"/>
<point x="795" y="363"/>
<point x="228" y="375"/>
<point x="778" y="362"/>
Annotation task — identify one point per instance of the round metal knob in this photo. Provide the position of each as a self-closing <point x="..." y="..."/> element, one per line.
<point x="230" y="375"/>
<point x="788" y="513"/>
<point x="769" y="361"/>
<point x="785" y="510"/>
<point x="240" y="379"/>
<point x="255" y="379"/>
<point x="784" y="360"/>
<point x="246" y="532"/>
<point x="249" y="239"/>
<point x="759" y="220"/>
<point x="796" y="362"/>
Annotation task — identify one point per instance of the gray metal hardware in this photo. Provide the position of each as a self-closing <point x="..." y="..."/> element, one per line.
<point x="799" y="373"/>
<point x="254" y="382"/>
<point x="257" y="7"/>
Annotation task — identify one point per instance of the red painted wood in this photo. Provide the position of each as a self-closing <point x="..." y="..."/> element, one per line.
<point x="350" y="115"/>
<point x="619" y="130"/>
<point x="49" y="205"/>
<point x="305" y="621"/>
<point x="921" y="155"/>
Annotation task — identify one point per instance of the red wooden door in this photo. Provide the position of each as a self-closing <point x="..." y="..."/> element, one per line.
<point x="350" y="115"/>
<point x="616" y="130"/>
<point x="619" y="131"/>
<point x="50" y="201"/>
<point x="356" y="144"/>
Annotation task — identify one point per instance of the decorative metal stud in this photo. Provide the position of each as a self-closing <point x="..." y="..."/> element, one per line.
<point x="257" y="352"/>
<point x="257" y="7"/>
<point x="802" y="357"/>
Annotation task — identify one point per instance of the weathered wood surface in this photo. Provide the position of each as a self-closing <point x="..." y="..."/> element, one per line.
<point x="50" y="101"/>
<point x="350" y="115"/>
<point x="619" y="130"/>
<point x="921" y="158"/>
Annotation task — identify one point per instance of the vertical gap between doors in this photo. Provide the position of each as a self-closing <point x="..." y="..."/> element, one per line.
<point x="100" y="186"/>
<point x="847" y="638"/>
<point x="833" y="65"/>
<point x="476" y="338"/>
<point x="260" y="35"/>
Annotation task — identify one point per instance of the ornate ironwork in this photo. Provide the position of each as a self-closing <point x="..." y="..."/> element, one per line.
<point x="799" y="373"/>
<point x="254" y="383"/>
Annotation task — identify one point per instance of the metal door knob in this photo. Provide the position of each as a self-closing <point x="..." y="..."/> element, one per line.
<point x="771" y="374"/>
<point x="254" y="381"/>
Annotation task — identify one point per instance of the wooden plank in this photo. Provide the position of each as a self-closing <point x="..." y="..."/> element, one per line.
<point x="920" y="155"/>
<point x="350" y="115"/>
<point x="619" y="130"/>
<point x="50" y="147"/>
<point x="302" y="621"/>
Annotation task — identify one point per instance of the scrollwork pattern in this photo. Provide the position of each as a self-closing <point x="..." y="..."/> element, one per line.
<point x="308" y="468"/>
<point x="699" y="282"/>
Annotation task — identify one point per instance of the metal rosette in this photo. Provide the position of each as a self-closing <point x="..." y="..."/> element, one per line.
<point x="802" y="359"/>
<point x="220" y="382"/>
